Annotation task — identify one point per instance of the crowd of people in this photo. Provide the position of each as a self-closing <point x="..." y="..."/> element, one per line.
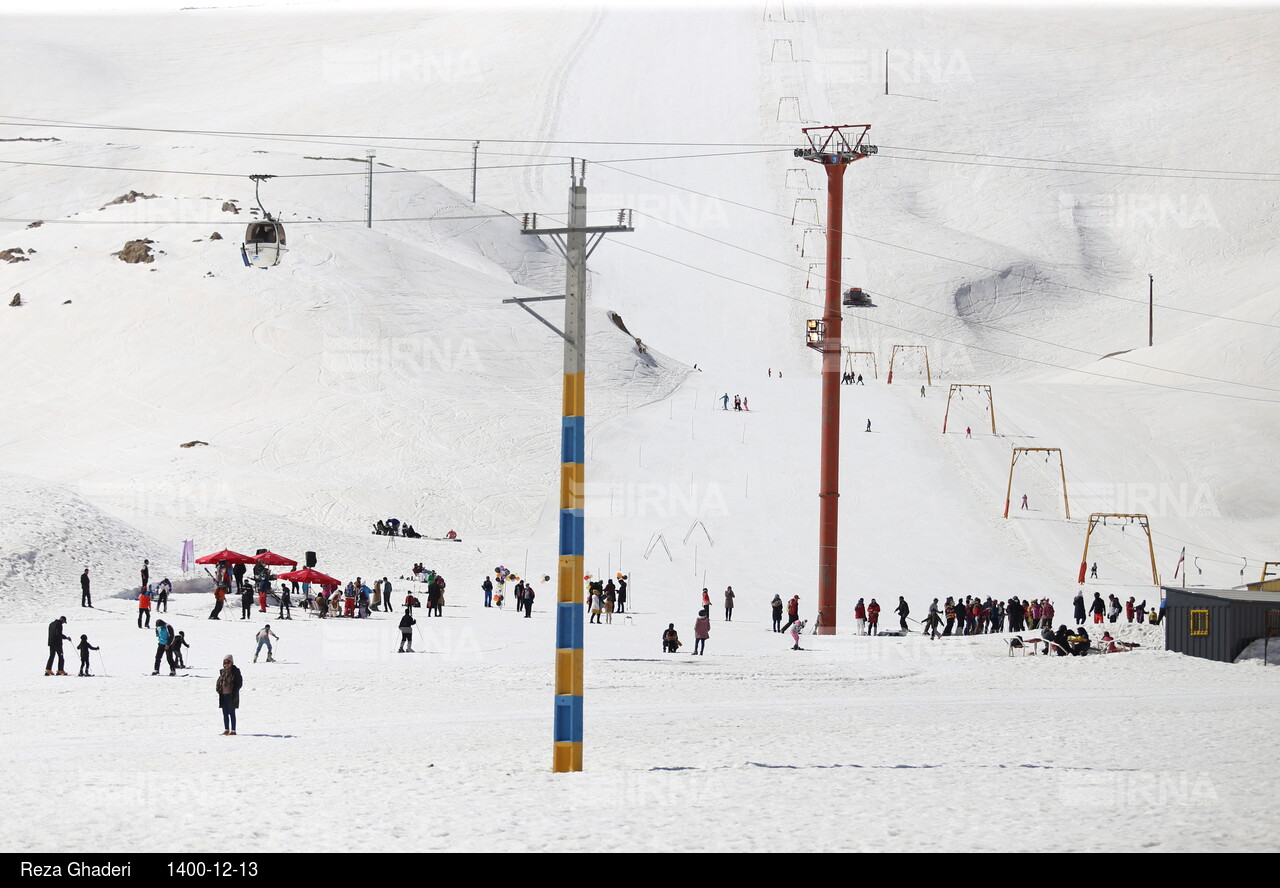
<point x="395" y="527"/>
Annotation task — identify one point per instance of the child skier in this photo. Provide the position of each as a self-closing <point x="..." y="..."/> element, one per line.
<point x="84" y="647"/>
<point x="796" y="629"/>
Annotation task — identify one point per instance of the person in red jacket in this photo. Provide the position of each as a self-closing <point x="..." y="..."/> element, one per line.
<point x="793" y="612"/>
<point x="144" y="608"/>
<point x="1128" y="609"/>
<point x="873" y="617"/>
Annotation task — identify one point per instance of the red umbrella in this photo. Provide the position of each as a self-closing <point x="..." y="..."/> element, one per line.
<point x="273" y="558"/>
<point x="225" y="555"/>
<point x="308" y="575"/>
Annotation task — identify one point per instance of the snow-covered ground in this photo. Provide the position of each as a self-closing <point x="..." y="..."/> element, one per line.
<point x="378" y="372"/>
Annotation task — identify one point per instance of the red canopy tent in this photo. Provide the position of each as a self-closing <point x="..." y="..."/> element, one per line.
<point x="309" y="575"/>
<point x="273" y="558"/>
<point x="225" y="555"/>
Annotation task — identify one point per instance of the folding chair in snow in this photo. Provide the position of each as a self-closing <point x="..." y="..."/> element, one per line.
<point x="1016" y="644"/>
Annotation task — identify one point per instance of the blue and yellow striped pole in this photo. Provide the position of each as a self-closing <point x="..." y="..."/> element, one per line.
<point x="567" y="755"/>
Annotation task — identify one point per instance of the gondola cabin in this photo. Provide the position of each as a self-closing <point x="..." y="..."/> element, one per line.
<point x="855" y="298"/>
<point x="263" y="244"/>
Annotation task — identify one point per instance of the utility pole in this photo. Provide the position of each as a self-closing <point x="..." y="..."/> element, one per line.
<point x="832" y="147"/>
<point x="475" y="160"/>
<point x="1151" y="311"/>
<point x="368" y="193"/>
<point x="574" y="244"/>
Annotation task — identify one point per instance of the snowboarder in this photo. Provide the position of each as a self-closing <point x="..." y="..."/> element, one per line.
<point x="163" y="639"/>
<point x="144" y="607"/>
<point x="264" y="637"/>
<point x="56" y="638"/>
<point x="728" y="604"/>
<point x="406" y="631"/>
<point x="902" y="610"/>
<point x="701" y="632"/>
<point x="487" y="586"/>
<point x="86" y="600"/>
<point x="179" y="642"/>
<point x="228" y="687"/>
<point x="777" y="613"/>
<point x="84" y="647"/>
<point x="795" y="635"/>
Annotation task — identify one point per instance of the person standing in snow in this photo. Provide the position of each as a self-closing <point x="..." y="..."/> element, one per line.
<point x="286" y="604"/>
<point x="238" y="572"/>
<point x="84" y="647"/>
<point x="162" y="600"/>
<point x="1093" y="571"/>
<point x="406" y="631"/>
<point x="487" y="586"/>
<point x="922" y="391"/>
<point x="146" y="574"/>
<point x="246" y="603"/>
<point x="902" y="610"/>
<point x="610" y="600"/>
<point x="86" y="600"/>
<point x="264" y="637"/>
<point x="1128" y="609"/>
<point x="706" y="600"/>
<point x="597" y="606"/>
<point x="933" y="621"/>
<point x="386" y="594"/>
<point x="1078" y="605"/>
<point x="793" y="612"/>
<point x="724" y="400"/>
<point x="1098" y="607"/>
<point x="219" y="599"/>
<point x="163" y="640"/>
<point x="1113" y="608"/>
<point x="56" y="638"/>
<point x="179" y="642"/>
<point x="144" y="607"/>
<point x="228" y="686"/>
<point x="868" y="425"/>
<point x="622" y="594"/>
<point x="777" y="612"/>
<point x="528" y="603"/>
<point x="860" y="615"/>
<point x="701" y="632"/>
<point x="1024" y="501"/>
<point x="873" y="618"/>
<point x="795" y="635"/>
<point x="1141" y="611"/>
<point x="728" y="605"/>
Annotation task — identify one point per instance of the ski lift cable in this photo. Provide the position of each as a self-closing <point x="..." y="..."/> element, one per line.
<point x="937" y="338"/>
<point x="1003" y="272"/>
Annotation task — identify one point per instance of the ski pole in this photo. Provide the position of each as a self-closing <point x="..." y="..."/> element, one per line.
<point x="102" y="665"/>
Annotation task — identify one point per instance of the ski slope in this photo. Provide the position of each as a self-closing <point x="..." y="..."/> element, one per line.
<point x="378" y="371"/>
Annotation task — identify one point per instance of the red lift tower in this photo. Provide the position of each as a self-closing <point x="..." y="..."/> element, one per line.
<point x="834" y="147"/>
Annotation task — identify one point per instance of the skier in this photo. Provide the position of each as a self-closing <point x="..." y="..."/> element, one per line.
<point x="228" y="687"/>
<point x="406" y="631"/>
<point x="933" y="621"/>
<point x="86" y="600"/>
<point x="487" y="586"/>
<point x="860" y="382"/>
<point x="286" y="604"/>
<point x="144" y="607"/>
<point x="55" y="646"/>
<point x="795" y="635"/>
<point x="902" y="610"/>
<point x="873" y="618"/>
<point x="84" y="647"/>
<point x="264" y="637"/>
<point x="163" y="638"/>
<point x="1093" y="571"/>
<point x="728" y="605"/>
<point x="219" y="598"/>
<point x="777" y="613"/>
<point x="701" y="632"/>
<point x="724" y="400"/>
<point x="860" y="614"/>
